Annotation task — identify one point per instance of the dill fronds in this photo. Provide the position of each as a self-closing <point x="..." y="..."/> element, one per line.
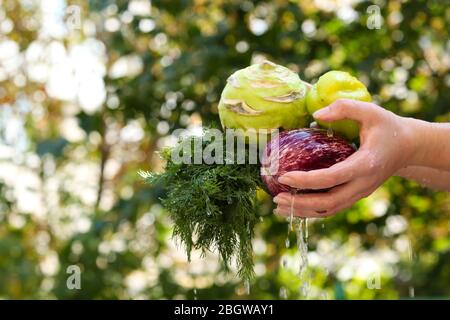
<point x="213" y="206"/>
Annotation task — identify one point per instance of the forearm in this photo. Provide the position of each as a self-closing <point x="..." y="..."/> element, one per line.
<point x="428" y="177"/>
<point x="430" y="143"/>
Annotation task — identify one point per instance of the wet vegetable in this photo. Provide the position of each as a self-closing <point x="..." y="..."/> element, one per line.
<point x="263" y="96"/>
<point x="330" y="87"/>
<point x="301" y="150"/>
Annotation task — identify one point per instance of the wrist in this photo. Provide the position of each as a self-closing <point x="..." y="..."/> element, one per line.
<point x="419" y="140"/>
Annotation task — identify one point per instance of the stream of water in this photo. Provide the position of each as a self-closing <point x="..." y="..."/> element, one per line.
<point x="302" y="244"/>
<point x="291" y="213"/>
<point x="300" y="227"/>
<point x="247" y="287"/>
<point x="410" y="259"/>
<point x="330" y="131"/>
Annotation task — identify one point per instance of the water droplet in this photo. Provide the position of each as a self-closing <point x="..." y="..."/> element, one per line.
<point x="287" y="243"/>
<point x="411" y="292"/>
<point x="283" y="293"/>
<point x="284" y="262"/>
<point x="306" y="230"/>
<point x="371" y="163"/>
<point x="247" y="287"/>
<point x="410" y="258"/>
<point x="301" y="245"/>
<point x="330" y="132"/>
<point x="304" y="289"/>
<point x="291" y="213"/>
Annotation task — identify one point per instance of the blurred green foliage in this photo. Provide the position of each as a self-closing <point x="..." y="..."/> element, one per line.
<point x="115" y="230"/>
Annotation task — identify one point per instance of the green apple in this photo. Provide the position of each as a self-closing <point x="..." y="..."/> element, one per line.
<point x="330" y="87"/>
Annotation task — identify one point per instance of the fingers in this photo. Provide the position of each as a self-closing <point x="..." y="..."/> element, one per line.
<point x="337" y="174"/>
<point x="362" y="112"/>
<point x="324" y="204"/>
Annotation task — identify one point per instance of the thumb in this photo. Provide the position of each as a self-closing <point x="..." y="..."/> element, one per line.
<point x="341" y="109"/>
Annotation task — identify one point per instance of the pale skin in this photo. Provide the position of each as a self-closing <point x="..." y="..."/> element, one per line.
<point x="390" y="146"/>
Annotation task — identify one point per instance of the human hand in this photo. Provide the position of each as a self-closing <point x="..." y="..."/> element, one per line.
<point x="386" y="146"/>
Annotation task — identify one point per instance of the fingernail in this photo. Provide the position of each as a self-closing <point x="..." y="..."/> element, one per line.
<point x="280" y="200"/>
<point x="278" y="213"/>
<point x="285" y="180"/>
<point x="320" y="113"/>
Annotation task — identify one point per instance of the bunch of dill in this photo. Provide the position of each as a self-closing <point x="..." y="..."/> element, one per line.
<point x="213" y="206"/>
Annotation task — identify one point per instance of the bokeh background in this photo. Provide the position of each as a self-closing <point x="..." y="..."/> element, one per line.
<point x="91" y="90"/>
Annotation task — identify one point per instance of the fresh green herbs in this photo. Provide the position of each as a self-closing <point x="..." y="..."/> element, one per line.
<point x="213" y="206"/>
